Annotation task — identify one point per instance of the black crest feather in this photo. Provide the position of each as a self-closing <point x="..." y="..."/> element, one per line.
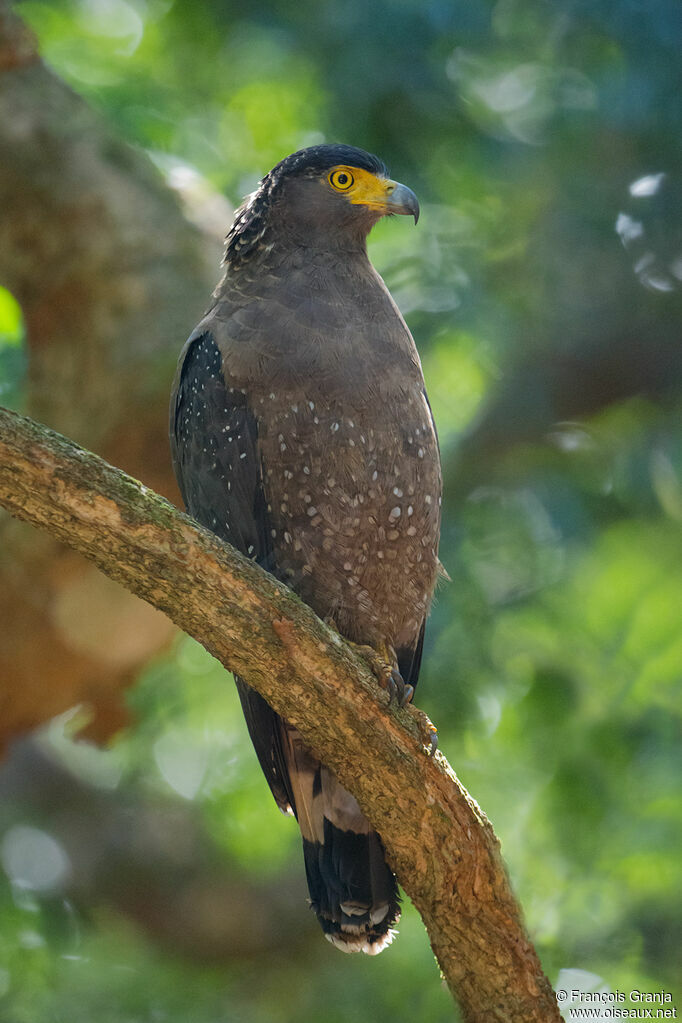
<point x="250" y="220"/>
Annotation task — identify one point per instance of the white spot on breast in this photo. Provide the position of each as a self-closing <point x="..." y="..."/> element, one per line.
<point x="312" y="510"/>
<point x="394" y="513"/>
<point x="397" y="491"/>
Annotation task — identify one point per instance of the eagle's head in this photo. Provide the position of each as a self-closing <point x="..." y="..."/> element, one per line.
<point x="328" y="195"/>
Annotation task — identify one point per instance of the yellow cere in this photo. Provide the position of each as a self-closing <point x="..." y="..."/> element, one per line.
<point x="361" y="186"/>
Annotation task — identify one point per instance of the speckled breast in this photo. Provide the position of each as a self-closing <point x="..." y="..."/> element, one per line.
<point x="353" y="491"/>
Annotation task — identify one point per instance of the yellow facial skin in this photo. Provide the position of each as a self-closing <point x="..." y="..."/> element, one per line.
<point x="361" y="187"/>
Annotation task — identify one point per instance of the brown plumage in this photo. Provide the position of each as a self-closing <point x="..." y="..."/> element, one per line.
<point x="302" y="434"/>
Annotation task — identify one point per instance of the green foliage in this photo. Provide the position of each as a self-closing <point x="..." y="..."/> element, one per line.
<point x="12" y="356"/>
<point x="543" y="287"/>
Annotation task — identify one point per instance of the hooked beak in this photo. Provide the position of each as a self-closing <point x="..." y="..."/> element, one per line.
<point x="382" y="194"/>
<point x="401" y="199"/>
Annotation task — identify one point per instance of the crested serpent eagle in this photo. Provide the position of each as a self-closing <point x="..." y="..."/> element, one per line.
<point x="301" y="433"/>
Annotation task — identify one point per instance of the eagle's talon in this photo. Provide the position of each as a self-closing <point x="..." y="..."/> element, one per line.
<point x="408" y="693"/>
<point x="388" y="677"/>
<point x="397" y="688"/>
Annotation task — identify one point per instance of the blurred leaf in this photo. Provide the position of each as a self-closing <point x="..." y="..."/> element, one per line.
<point x="12" y="356"/>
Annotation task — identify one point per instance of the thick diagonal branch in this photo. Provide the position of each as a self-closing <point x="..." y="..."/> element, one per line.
<point x="440" y="844"/>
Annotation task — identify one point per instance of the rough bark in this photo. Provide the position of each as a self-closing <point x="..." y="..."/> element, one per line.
<point x="440" y="844"/>
<point x="111" y="277"/>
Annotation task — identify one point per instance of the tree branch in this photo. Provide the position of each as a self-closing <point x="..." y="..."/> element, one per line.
<point x="438" y="841"/>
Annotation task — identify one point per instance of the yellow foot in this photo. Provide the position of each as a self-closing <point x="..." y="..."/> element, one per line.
<point x="428" y="733"/>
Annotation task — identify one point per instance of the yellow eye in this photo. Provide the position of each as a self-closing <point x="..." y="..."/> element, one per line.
<point x="341" y="179"/>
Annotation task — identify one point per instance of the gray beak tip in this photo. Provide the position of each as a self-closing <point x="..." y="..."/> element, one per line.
<point x="403" y="200"/>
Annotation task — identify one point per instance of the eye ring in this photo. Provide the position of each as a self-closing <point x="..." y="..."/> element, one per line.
<point x="341" y="179"/>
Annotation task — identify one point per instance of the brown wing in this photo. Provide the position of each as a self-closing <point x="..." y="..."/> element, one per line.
<point x="214" y="444"/>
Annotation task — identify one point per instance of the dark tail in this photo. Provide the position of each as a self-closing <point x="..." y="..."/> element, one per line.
<point x="352" y="890"/>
